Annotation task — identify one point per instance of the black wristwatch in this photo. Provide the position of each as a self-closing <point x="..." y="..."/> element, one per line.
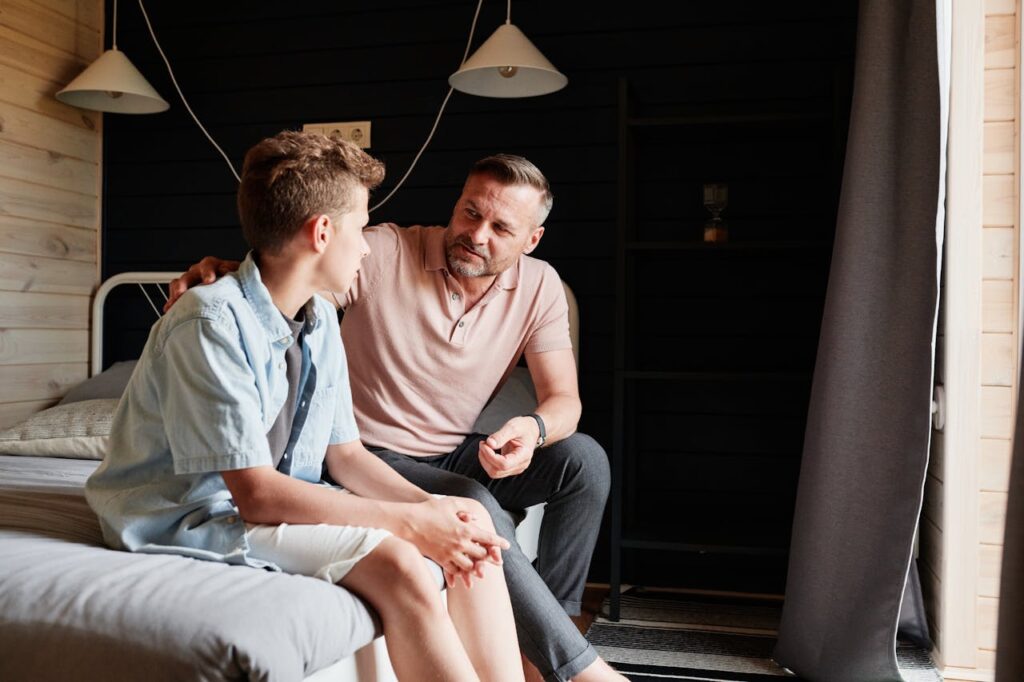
<point x="540" y="425"/>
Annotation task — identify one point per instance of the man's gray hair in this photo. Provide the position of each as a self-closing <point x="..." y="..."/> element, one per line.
<point x="509" y="169"/>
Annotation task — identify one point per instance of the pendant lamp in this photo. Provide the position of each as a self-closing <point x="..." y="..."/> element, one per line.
<point x="112" y="83"/>
<point x="507" y="65"/>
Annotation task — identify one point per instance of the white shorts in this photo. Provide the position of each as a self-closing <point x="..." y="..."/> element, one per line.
<point x="320" y="551"/>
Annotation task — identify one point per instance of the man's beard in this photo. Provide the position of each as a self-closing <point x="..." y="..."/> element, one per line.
<point x="467" y="268"/>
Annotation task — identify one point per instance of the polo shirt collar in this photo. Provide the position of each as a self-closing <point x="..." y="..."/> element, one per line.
<point x="258" y="297"/>
<point x="434" y="259"/>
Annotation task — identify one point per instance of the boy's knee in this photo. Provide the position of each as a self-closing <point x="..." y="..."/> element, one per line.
<point x="478" y="511"/>
<point x="402" y="567"/>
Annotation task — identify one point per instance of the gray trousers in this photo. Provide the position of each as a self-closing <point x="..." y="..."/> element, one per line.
<point x="572" y="477"/>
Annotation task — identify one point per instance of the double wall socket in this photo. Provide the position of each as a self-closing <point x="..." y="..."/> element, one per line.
<point x="353" y="131"/>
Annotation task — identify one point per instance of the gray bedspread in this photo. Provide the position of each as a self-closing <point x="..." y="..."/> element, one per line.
<point x="71" y="609"/>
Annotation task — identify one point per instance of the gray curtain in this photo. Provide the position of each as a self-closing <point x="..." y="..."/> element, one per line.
<point x="866" y="444"/>
<point x="1009" y="649"/>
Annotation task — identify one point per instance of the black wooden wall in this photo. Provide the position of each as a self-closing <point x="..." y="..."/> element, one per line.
<point x="251" y="69"/>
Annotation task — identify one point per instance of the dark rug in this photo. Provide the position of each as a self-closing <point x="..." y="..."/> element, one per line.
<point x="666" y="635"/>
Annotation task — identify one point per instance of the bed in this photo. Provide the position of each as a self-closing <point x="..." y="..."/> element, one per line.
<point x="70" y="608"/>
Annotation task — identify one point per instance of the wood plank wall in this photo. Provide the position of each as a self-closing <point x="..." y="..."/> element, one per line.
<point x="252" y="69"/>
<point x="1000" y="340"/>
<point x="962" y="552"/>
<point x="49" y="201"/>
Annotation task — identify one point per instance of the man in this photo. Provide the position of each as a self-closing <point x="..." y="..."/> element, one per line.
<point x="433" y="326"/>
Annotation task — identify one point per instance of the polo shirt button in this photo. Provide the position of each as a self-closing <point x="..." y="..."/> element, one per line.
<point x="281" y="365"/>
<point x="455" y="297"/>
<point x="462" y="323"/>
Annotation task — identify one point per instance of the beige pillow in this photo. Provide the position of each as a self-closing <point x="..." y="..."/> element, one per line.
<point x="80" y="430"/>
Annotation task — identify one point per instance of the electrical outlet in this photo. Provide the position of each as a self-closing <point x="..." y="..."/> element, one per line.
<point x="353" y="131"/>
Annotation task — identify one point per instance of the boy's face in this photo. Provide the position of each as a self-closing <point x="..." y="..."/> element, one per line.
<point x="346" y="248"/>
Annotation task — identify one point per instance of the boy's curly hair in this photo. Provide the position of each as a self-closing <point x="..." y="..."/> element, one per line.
<point x="293" y="176"/>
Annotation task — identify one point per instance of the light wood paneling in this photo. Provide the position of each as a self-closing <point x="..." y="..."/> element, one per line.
<point x="995" y="464"/>
<point x="970" y="89"/>
<point x="49" y="200"/>
<point x="50" y="169"/>
<point x="999" y="147"/>
<point x="990" y="558"/>
<point x="20" y="310"/>
<point x="988" y="619"/>
<point x="996" y="412"/>
<point x="37" y="94"/>
<point x="46" y="275"/>
<point x="1000" y="7"/>
<point x="38" y="58"/>
<point x="997" y="306"/>
<point x="998" y="356"/>
<point x="35" y="346"/>
<point x="1000" y="88"/>
<point x="34" y="238"/>
<point x="1000" y="194"/>
<point x="999" y="252"/>
<point x="86" y="12"/>
<point x="53" y="29"/>
<point x="28" y="200"/>
<point x="1000" y="42"/>
<point x="992" y="518"/>
<point x="23" y="383"/>
<point x="42" y="132"/>
<point x="12" y="413"/>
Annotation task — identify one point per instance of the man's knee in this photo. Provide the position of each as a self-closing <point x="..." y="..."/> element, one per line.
<point x="463" y="486"/>
<point x="588" y="461"/>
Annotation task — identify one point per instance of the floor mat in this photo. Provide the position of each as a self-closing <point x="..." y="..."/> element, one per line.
<point x="682" y="636"/>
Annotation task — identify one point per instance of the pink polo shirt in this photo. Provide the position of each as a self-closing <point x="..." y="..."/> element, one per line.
<point x="422" y="368"/>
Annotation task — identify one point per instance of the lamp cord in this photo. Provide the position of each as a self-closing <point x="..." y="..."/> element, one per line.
<point x="184" y="101"/>
<point x="440" y="112"/>
<point x="430" y="136"/>
<point x="115" y="25"/>
<point x="508" y="14"/>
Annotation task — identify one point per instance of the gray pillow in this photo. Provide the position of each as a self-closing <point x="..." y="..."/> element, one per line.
<point x="516" y="398"/>
<point x="109" y="383"/>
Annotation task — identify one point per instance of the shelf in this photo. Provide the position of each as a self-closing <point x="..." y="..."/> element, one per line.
<point x="724" y="246"/>
<point x="639" y="543"/>
<point x="726" y="119"/>
<point x="712" y="376"/>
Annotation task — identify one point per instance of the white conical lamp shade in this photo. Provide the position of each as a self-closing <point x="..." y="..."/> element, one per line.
<point x="112" y="83"/>
<point x="508" y="65"/>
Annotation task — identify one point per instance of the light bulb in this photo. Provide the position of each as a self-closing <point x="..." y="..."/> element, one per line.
<point x="114" y="94"/>
<point x="507" y="71"/>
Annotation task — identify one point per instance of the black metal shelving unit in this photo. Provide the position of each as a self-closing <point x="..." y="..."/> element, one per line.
<point x="628" y="376"/>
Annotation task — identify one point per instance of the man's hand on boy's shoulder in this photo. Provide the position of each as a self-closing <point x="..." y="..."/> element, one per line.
<point x="206" y="271"/>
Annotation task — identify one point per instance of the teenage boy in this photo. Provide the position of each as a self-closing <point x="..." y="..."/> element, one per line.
<point x="241" y="397"/>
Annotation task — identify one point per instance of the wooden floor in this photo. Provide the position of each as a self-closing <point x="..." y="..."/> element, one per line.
<point x="593" y="597"/>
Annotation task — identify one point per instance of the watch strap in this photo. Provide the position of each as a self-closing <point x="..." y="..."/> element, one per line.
<point x="540" y="426"/>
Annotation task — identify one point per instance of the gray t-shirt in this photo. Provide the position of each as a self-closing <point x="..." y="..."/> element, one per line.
<point x="280" y="432"/>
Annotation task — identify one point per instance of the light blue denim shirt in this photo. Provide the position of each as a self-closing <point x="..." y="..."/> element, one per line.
<point x="208" y="386"/>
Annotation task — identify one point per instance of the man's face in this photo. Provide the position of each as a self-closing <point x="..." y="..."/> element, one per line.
<point x="491" y="226"/>
<point x="347" y="248"/>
